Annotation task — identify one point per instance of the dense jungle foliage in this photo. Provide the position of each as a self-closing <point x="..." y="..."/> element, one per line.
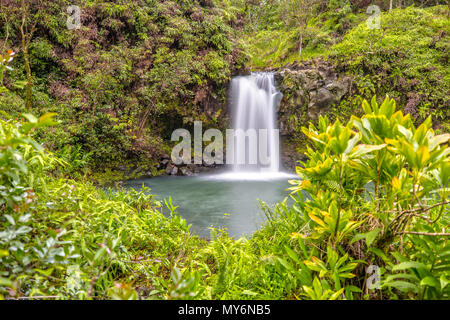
<point x="134" y="72"/>
<point x="372" y="194"/>
<point x="407" y="58"/>
<point x="137" y="70"/>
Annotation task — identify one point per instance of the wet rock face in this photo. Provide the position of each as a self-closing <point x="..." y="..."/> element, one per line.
<point x="308" y="89"/>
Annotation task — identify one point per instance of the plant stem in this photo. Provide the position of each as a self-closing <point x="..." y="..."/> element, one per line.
<point x="437" y="234"/>
<point x="340" y="197"/>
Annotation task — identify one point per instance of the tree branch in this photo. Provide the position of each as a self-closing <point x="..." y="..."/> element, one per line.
<point x="427" y="233"/>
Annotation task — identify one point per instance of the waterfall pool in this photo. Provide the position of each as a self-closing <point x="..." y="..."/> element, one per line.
<point x="230" y="200"/>
<point x="221" y="200"/>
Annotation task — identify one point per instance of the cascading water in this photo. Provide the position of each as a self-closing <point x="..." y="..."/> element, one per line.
<point x="204" y="199"/>
<point x="254" y="102"/>
<point x="255" y="99"/>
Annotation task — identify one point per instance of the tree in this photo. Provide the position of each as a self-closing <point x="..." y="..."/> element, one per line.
<point x="22" y="16"/>
<point x="5" y="18"/>
<point x="31" y="12"/>
<point x="296" y="13"/>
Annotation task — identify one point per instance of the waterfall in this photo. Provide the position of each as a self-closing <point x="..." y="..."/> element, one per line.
<point x="255" y="99"/>
<point x="254" y="103"/>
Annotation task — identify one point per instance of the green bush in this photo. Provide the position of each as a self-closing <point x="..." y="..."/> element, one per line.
<point x="372" y="192"/>
<point x="67" y="239"/>
<point x="376" y="179"/>
<point x="406" y="59"/>
<point x="117" y="82"/>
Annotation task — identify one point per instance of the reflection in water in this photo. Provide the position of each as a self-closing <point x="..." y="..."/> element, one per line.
<point x="206" y="201"/>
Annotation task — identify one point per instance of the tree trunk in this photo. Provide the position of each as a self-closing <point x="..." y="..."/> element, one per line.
<point x="390" y="5"/>
<point x="143" y="121"/>
<point x="301" y="44"/>
<point x="26" y="58"/>
<point x="26" y="38"/>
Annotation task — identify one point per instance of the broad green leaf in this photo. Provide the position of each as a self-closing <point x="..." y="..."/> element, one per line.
<point x="430" y="281"/>
<point x="409" y="265"/>
<point x="362" y="149"/>
<point x="443" y="281"/>
<point x="404" y="286"/>
<point x="286" y="264"/>
<point x="371" y="236"/>
<point x="46" y="273"/>
<point x="366" y="107"/>
<point x="292" y="254"/>
<point x="5" y="282"/>
<point x="249" y="293"/>
<point x="30" y="117"/>
<point x="407" y="133"/>
<point x="336" y="295"/>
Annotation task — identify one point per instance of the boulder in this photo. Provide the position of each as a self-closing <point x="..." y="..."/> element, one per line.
<point x="169" y="168"/>
<point x="186" y="171"/>
<point x="308" y="89"/>
<point x="193" y="168"/>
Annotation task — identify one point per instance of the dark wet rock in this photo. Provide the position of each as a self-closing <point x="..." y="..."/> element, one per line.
<point x="308" y="89"/>
<point x="185" y="171"/>
<point x="169" y="168"/>
<point x="194" y="168"/>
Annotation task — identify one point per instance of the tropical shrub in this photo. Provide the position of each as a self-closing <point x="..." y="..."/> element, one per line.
<point x="371" y="196"/>
<point x="61" y="238"/>
<point x="378" y="185"/>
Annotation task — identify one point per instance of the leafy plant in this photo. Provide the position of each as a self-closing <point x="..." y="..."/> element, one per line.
<point x="375" y="179"/>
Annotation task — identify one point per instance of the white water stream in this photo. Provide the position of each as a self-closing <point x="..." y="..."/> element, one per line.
<point x="254" y="103"/>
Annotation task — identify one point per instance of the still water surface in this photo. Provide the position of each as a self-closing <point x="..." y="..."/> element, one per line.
<point x="223" y="200"/>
